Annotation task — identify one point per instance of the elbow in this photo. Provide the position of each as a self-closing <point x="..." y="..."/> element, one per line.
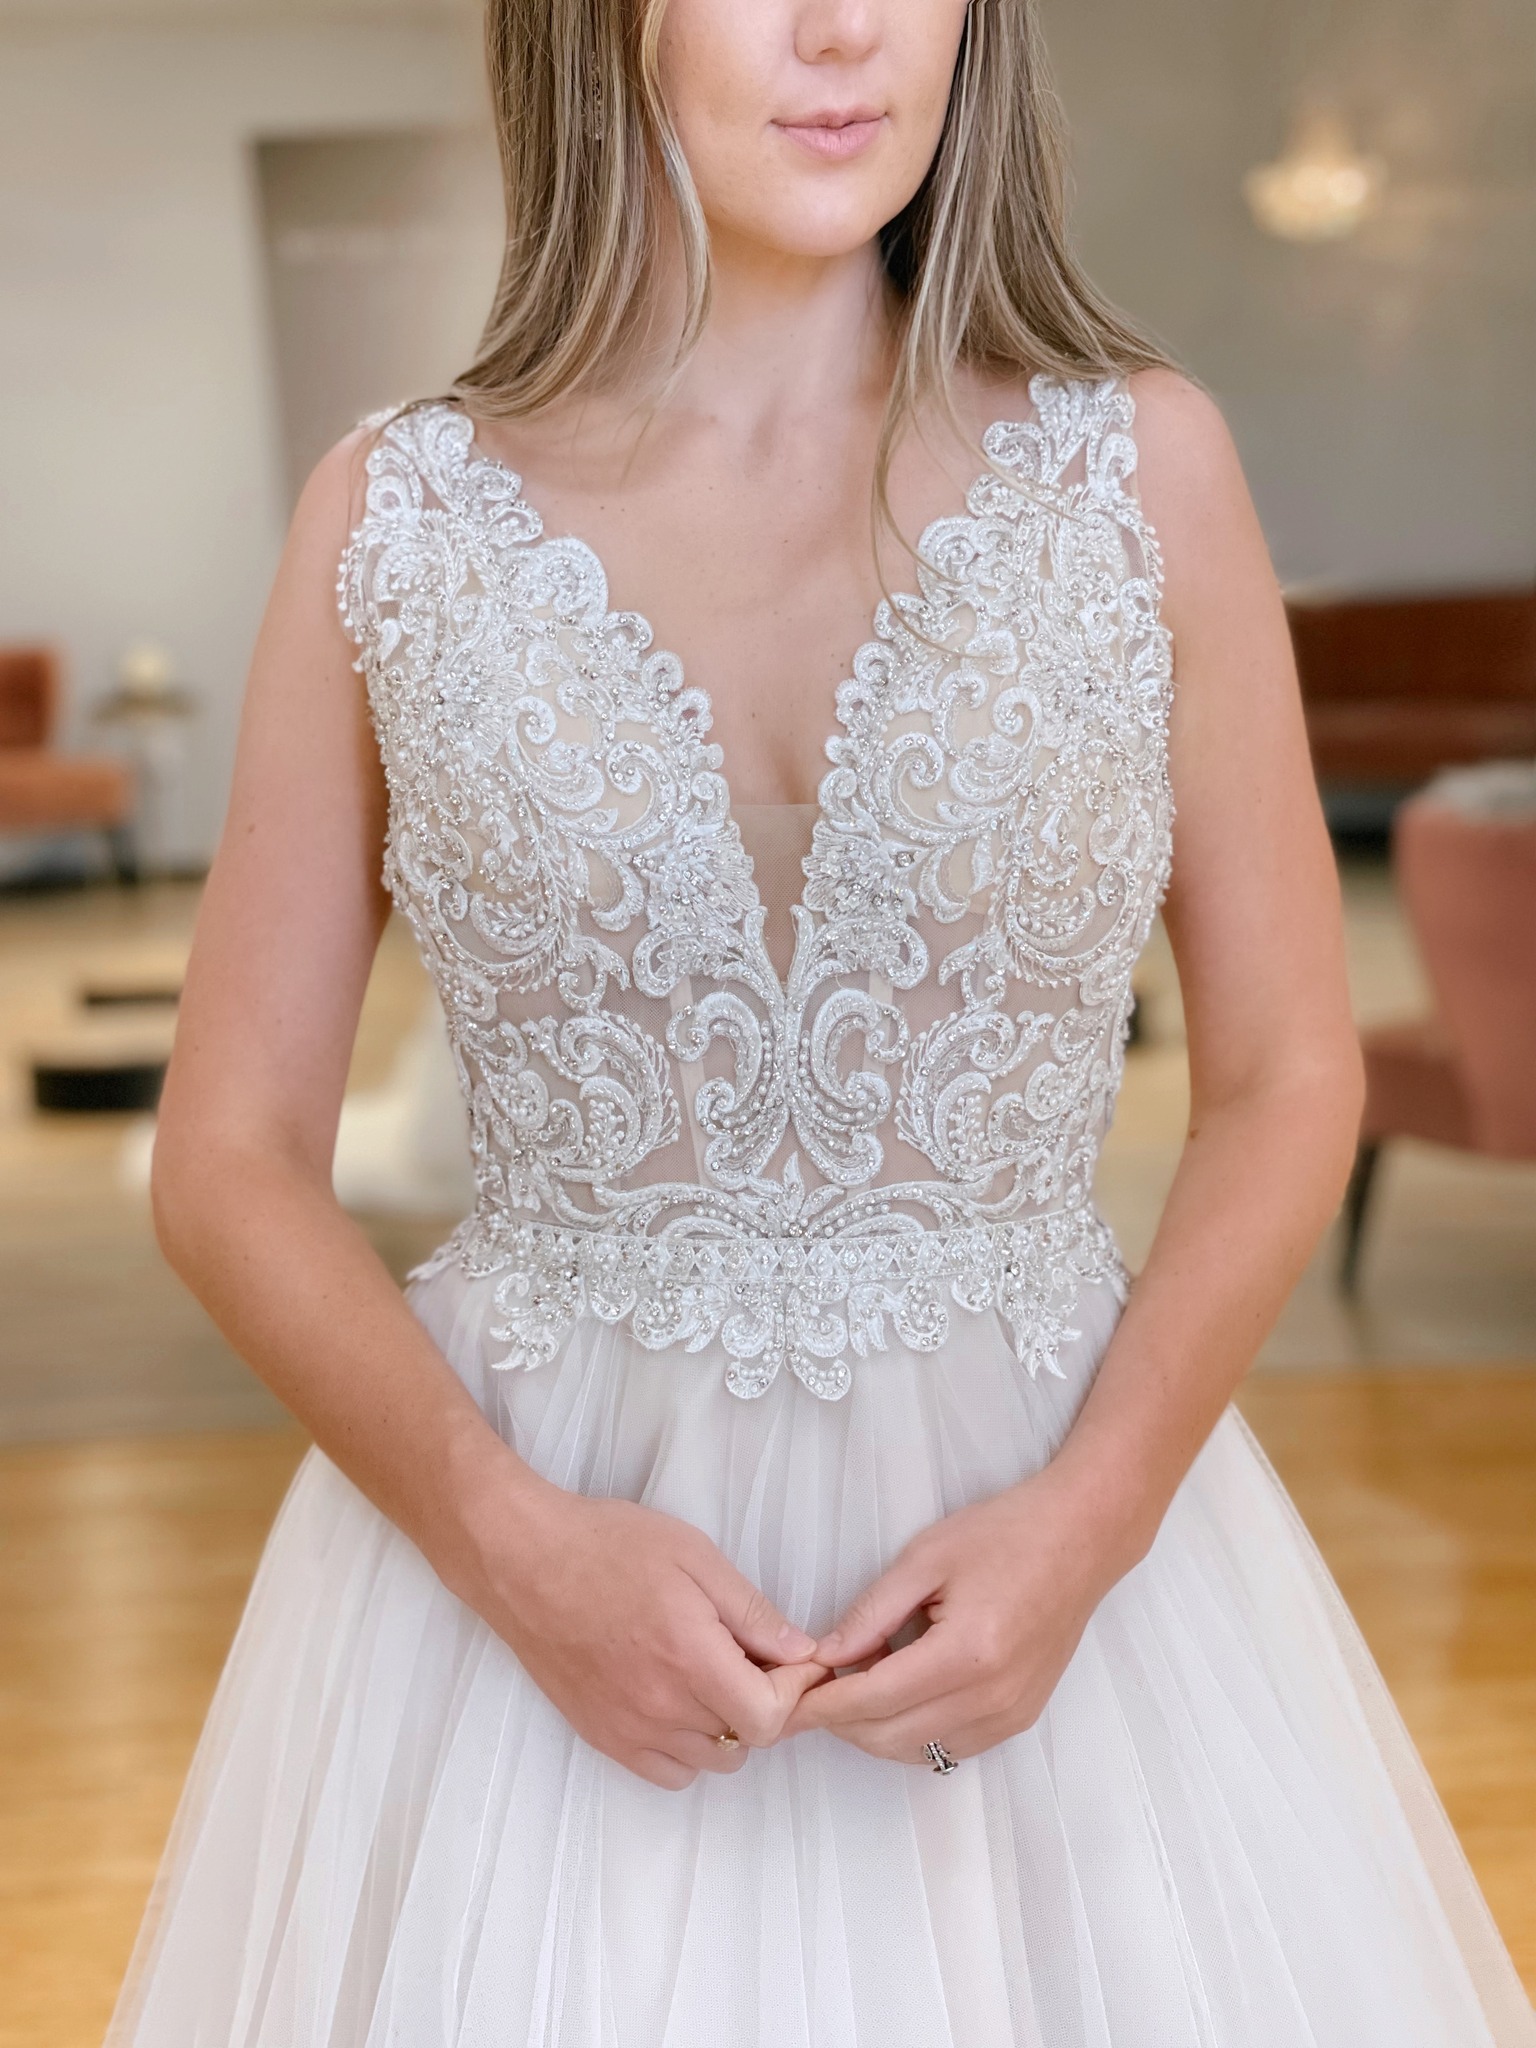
<point x="182" y="1177"/>
<point x="1354" y="1086"/>
<point x="200" y="1171"/>
<point x="1306" y="1098"/>
<point x="1326" y="1099"/>
<point x="214" y="1176"/>
<point x="1349" y="1092"/>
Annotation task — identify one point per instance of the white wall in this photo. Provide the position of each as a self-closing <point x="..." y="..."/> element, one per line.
<point x="383" y="254"/>
<point x="1382" y="389"/>
<point x="140" y="452"/>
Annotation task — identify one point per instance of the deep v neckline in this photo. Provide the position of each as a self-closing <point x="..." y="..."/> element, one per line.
<point x="840" y="732"/>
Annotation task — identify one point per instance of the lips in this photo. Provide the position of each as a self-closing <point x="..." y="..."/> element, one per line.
<point x="835" y="135"/>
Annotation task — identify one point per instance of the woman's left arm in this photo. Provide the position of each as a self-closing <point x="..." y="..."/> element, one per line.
<point x="1253" y="913"/>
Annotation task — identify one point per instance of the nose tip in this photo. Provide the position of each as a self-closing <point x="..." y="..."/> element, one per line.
<point x="837" y="31"/>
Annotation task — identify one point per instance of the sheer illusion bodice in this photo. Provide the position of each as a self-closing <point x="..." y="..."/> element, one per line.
<point x="786" y="1089"/>
<point x="808" y="1156"/>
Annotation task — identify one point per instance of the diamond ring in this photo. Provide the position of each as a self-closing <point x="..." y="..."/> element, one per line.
<point x="729" y="1740"/>
<point x="940" y="1758"/>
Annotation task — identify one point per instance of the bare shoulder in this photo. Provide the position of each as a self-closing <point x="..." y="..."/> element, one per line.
<point x="331" y="502"/>
<point x="1185" y="451"/>
<point x="328" y="512"/>
<point x="1193" y="490"/>
<point x="1184" y="447"/>
<point x="302" y="608"/>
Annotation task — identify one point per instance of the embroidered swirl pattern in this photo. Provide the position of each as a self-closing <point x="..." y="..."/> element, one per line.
<point x="665" y="1131"/>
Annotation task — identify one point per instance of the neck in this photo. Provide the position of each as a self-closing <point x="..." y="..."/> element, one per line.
<point x="785" y="335"/>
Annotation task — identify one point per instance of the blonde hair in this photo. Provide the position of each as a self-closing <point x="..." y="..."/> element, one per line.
<point x="979" y="268"/>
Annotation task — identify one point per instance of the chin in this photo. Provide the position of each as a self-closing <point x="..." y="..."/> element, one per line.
<point x="820" y="231"/>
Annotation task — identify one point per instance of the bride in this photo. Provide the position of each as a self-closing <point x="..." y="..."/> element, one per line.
<point x="774" y="1581"/>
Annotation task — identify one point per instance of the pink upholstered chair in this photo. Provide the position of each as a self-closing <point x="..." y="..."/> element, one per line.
<point x="1465" y="1076"/>
<point x="42" y="790"/>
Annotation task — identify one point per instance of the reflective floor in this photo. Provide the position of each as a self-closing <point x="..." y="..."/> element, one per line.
<point x="142" y="1462"/>
<point x="127" y="1561"/>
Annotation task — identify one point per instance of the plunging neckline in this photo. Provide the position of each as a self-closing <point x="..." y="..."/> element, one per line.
<point x="838" y="728"/>
<point x="839" y="733"/>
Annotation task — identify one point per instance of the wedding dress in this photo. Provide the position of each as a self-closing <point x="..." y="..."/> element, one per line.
<point x="784" y="1128"/>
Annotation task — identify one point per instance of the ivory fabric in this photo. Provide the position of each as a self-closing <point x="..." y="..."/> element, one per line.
<point x="784" y="1132"/>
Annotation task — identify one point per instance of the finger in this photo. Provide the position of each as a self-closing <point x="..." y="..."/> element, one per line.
<point x="950" y="1719"/>
<point x="927" y="1669"/>
<point x="749" y="1614"/>
<point x="755" y="1702"/>
<point x="879" y="1611"/>
<point x="791" y="1682"/>
<point x="707" y="1752"/>
<point x="863" y="1663"/>
<point x="657" y="1768"/>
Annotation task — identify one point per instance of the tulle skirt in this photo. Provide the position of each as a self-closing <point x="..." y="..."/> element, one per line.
<point x="1216" y="1836"/>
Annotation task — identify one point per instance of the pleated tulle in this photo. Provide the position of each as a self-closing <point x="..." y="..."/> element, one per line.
<point x="1217" y="1836"/>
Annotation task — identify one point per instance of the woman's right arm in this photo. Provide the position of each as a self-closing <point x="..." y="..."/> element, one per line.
<point x="631" y="1621"/>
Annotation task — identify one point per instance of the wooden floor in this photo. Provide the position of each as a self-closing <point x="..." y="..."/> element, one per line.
<point x="126" y="1566"/>
<point x="127" y="1563"/>
<point x="1404" y="1422"/>
<point x="1420" y="1487"/>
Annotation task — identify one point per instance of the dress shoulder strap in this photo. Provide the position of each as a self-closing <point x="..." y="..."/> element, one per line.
<point x="423" y="461"/>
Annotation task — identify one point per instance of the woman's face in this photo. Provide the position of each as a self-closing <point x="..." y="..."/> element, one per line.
<point x="808" y="124"/>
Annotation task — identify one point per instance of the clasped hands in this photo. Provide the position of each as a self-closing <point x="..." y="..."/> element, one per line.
<point x="654" y="1647"/>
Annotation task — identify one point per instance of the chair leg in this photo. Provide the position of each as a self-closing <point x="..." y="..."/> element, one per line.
<point x="1356" y="1197"/>
<point x="125" y="854"/>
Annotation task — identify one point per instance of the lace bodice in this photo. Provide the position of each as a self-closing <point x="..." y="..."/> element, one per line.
<point x="803" y="1160"/>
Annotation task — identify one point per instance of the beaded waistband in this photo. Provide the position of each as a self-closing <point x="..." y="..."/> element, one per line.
<point x="802" y="1302"/>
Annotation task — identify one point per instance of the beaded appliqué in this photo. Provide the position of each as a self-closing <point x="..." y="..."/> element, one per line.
<point x="803" y="1302"/>
<point x="665" y="1132"/>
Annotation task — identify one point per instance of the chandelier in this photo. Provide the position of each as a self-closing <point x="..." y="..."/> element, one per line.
<point x="1320" y="188"/>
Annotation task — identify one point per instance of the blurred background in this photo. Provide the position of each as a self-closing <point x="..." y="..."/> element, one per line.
<point x="229" y="228"/>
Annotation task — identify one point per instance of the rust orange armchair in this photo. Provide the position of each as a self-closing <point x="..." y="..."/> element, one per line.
<point x="1465" y="1076"/>
<point x="42" y="790"/>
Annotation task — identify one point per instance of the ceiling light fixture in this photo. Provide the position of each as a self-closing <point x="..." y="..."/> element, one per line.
<point x="1321" y="188"/>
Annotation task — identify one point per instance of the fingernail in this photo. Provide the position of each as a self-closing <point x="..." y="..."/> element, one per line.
<point x="795" y="1640"/>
